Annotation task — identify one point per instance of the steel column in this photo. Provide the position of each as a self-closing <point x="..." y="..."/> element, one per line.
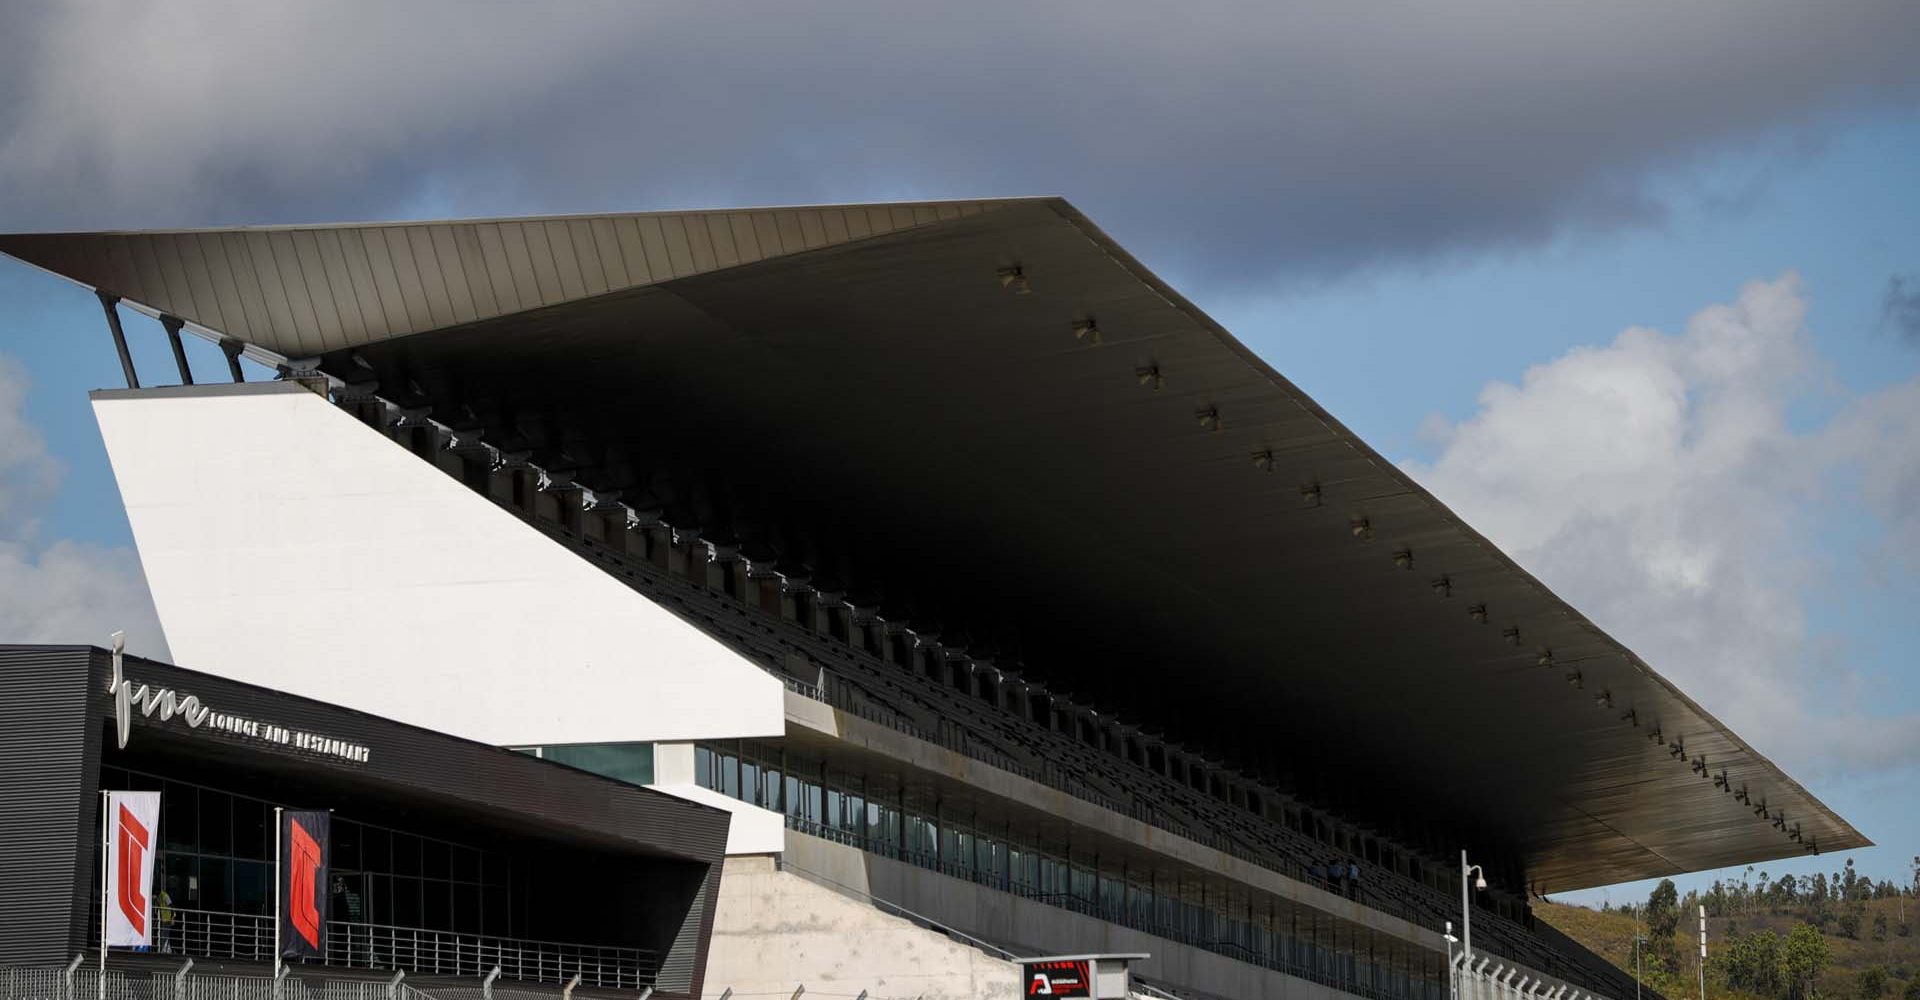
<point x="232" y="349"/>
<point x="111" y="303"/>
<point x="173" y="325"/>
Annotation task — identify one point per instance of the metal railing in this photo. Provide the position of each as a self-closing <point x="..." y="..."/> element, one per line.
<point x="444" y="953"/>
<point x="245" y="937"/>
<point x="83" y="981"/>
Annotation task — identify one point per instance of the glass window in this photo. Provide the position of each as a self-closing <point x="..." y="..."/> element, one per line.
<point x="216" y="884"/>
<point x="345" y="849"/>
<point x="628" y="762"/>
<point x="773" y="782"/>
<point x="466" y="864"/>
<point x="180" y="817"/>
<point x="251" y="820"/>
<point x="406" y="854"/>
<point x="435" y="860"/>
<point x="406" y="902"/>
<point x="436" y="904"/>
<point x="466" y="908"/>
<point x="703" y="767"/>
<point x="493" y="911"/>
<point x="251" y="893"/>
<point x="750" y="783"/>
<point x="376" y="849"/>
<point x="216" y="822"/>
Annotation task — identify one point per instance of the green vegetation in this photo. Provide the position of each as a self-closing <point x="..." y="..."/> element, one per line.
<point x="1828" y="937"/>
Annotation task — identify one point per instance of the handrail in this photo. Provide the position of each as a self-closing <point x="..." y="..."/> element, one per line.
<point x="248" y="937"/>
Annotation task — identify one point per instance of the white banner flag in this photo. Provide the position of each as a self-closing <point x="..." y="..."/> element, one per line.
<point x="133" y="832"/>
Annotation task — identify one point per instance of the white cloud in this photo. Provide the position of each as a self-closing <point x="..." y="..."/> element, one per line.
<point x="63" y="591"/>
<point x="1258" y="141"/>
<point x="1658" y="484"/>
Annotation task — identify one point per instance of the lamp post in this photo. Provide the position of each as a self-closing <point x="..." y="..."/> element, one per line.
<point x="1479" y="881"/>
<point x="1638" y="943"/>
<point x="1453" y="974"/>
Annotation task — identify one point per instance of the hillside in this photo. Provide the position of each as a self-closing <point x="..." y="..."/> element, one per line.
<point x="1873" y="945"/>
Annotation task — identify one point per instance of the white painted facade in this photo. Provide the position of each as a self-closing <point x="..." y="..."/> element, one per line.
<point x="289" y="545"/>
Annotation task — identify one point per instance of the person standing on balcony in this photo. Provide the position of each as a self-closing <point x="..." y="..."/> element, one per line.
<point x="163" y="907"/>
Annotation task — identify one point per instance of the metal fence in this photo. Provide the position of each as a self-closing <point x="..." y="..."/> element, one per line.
<point x="83" y="981"/>
<point x="244" y="937"/>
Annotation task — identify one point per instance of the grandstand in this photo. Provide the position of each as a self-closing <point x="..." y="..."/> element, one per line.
<point x="975" y="571"/>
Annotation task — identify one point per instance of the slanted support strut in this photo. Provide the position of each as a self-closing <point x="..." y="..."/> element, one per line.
<point x="111" y="303"/>
<point x="232" y="349"/>
<point x="173" y="325"/>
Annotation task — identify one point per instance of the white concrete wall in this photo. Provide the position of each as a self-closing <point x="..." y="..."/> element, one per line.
<point x="773" y="931"/>
<point x="287" y="544"/>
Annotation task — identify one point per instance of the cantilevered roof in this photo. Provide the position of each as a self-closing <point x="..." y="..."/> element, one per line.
<point x="1072" y="470"/>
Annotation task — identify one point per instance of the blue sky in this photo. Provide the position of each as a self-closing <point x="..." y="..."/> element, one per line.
<point x="1399" y="213"/>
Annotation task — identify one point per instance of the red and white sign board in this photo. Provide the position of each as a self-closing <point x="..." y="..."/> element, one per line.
<point x="133" y="832"/>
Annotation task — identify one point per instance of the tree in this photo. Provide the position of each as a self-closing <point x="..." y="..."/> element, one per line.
<point x="1871" y="983"/>
<point x="1879" y="927"/>
<point x="1805" y="956"/>
<point x="1663" y="920"/>
<point x="1849" y="922"/>
<point x="1913" y="989"/>
<point x="1749" y="963"/>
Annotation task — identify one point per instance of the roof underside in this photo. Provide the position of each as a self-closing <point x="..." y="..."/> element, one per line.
<point x="853" y="392"/>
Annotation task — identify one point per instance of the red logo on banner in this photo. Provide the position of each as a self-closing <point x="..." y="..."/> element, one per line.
<point x="132" y="840"/>
<point x="301" y="882"/>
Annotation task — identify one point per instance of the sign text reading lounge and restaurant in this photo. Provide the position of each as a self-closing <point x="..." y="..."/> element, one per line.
<point x="169" y="704"/>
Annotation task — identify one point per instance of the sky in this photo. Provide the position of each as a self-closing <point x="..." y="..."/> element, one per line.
<point x="1635" y="289"/>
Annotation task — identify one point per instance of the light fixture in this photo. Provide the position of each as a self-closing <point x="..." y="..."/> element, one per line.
<point x="1632" y="718"/>
<point x="1720" y="781"/>
<point x="1760" y="808"/>
<point x="1546" y="658"/>
<point x="1796" y="832"/>
<point x="1263" y="460"/>
<point x="1479" y="878"/>
<point x="1149" y="375"/>
<point x="1604" y="699"/>
<point x="1678" y="749"/>
<point x="1576" y="679"/>
<point x="1087" y="330"/>
<point x="1656" y="735"/>
<point x="1361" y="528"/>
<point x="1014" y="279"/>
<point x="1699" y="766"/>
<point x="1443" y="587"/>
<point x="1209" y="418"/>
<point x="1478" y="613"/>
<point x="1310" y="495"/>
<point x="1403" y="557"/>
<point x="1512" y="634"/>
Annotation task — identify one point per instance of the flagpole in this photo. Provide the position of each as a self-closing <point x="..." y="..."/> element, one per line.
<point x="105" y="827"/>
<point x="279" y="890"/>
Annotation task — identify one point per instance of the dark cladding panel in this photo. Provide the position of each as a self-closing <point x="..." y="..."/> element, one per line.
<point x="683" y="969"/>
<point x="49" y="756"/>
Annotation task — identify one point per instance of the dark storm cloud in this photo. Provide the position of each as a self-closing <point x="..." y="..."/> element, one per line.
<point x="1900" y="307"/>
<point x="1242" y="142"/>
